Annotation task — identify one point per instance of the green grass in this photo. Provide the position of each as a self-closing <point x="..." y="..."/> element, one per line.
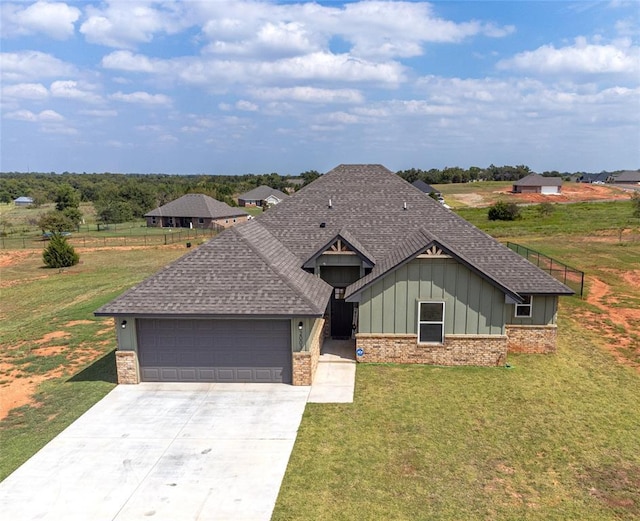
<point x="566" y="219"/>
<point x="35" y="302"/>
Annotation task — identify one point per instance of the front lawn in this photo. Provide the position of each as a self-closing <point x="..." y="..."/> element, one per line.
<point x="553" y="437"/>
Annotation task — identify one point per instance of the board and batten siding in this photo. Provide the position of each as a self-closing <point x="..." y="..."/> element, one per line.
<point x="543" y="313"/>
<point x="472" y="305"/>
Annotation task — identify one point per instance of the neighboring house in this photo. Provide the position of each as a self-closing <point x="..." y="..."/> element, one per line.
<point x="23" y="201"/>
<point x="426" y="188"/>
<point x="195" y="211"/>
<point x="260" y="196"/>
<point x="538" y="184"/>
<point x="600" y="178"/>
<point x="359" y="253"/>
<point x="627" y="177"/>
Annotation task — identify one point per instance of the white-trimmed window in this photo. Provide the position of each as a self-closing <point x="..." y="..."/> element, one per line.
<point x="524" y="310"/>
<point x="431" y="322"/>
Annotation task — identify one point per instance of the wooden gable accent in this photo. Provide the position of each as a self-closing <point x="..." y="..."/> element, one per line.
<point x="339" y="247"/>
<point x="433" y="251"/>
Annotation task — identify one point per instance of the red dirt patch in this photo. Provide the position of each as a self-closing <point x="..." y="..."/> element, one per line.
<point x="52" y="336"/>
<point x="617" y="324"/>
<point x="11" y="257"/>
<point x="573" y="193"/>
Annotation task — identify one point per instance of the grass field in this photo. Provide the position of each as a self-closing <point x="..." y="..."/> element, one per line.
<point x="553" y="437"/>
<point x="53" y="348"/>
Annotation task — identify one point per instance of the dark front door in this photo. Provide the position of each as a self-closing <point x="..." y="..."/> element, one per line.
<point x="341" y="318"/>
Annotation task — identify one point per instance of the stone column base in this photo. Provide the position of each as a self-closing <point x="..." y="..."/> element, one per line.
<point x="532" y="339"/>
<point x="127" y="367"/>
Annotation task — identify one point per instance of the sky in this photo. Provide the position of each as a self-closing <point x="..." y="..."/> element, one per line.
<point x="236" y="87"/>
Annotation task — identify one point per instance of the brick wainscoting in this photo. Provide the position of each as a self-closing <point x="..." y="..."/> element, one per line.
<point x="483" y="350"/>
<point x="127" y="367"/>
<point x="305" y="363"/>
<point x="532" y="339"/>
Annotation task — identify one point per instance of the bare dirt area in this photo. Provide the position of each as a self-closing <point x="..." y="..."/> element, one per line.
<point x="573" y="193"/>
<point x="617" y="323"/>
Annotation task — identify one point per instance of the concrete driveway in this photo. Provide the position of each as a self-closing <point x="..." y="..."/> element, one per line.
<point x="164" y="452"/>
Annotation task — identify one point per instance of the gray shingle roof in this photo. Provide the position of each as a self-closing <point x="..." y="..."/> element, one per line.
<point x="255" y="269"/>
<point x="261" y="193"/>
<point x="196" y="205"/>
<point x="243" y="271"/>
<point x="628" y="176"/>
<point x="424" y="187"/>
<point x="538" y="180"/>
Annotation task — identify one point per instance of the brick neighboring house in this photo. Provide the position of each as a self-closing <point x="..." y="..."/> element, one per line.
<point x="195" y="211"/>
<point x="358" y="254"/>
<point x="538" y="184"/>
<point x="260" y="196"/>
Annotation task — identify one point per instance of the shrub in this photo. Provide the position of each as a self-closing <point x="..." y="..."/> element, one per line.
<point x="502" y="211"/>
<point x="545" y="209"/>
<point x="59" y="253"/>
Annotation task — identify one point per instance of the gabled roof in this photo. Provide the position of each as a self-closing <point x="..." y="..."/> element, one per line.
<point x="243" y="271"/>
<point x="424" y="187"/>
<point x="256" y="268"/>
<point x="196" y="205"/>
<point x="538" y="180"/>
<point x="628" y="176"/>
<point x="350" y="240"/>
<point x="261" y="193"/>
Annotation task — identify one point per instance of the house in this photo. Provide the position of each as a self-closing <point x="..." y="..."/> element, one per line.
<point x="23" y="201"/>
<point x="426" y="188"/>
<point x="359" y="254"/>
<point x="538" y="184"/>
<point x="260" y="196"/>
<point x="195" y="211"/>
<point x="628" y="177"/>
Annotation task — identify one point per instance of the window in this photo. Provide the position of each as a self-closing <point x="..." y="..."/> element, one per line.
<point x="200" y="220"/>
<point x="339" y="293"/>
<point x="524" y="309"/>
<point x="153" y="220"/>
<point x="431" y="322"/>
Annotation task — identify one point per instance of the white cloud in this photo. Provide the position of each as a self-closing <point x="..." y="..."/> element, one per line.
<point x="27" y="115"/>
<point x="30" y="91"/>
<point x="142" y="98"/>
<point x="127" y="24"/>
<point x="127" y="61"/>
<point x="309" y="94"/>
<point x="54" y="19"/>
<point x="99" y="113"/>
<point x="619" y="57"/>
<point x="70" y="89"/>
<point x="246" y="106"/>
<point x="32" y="65"/>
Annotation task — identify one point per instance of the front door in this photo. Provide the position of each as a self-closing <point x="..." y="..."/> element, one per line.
<point x="341" y="317"/>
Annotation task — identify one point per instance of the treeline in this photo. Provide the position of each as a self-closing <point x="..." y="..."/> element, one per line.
<point x="460" y="175"/>
<point x="136" y="194"/>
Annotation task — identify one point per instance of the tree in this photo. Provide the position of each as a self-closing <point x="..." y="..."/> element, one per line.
<point x="502" y="211"/>
<point x="59" y="253"/>
<point x="66" y="197"/>
<point x="55" y="221"/>
<point x="635" y="201"/>
<point x="309" y="175"/>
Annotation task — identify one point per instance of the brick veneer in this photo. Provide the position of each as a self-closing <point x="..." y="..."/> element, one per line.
<point x="305" y="363"/>
<point x="127" y="367"/>
<point x="483" y="350"/>
<point x="532" y="339"/>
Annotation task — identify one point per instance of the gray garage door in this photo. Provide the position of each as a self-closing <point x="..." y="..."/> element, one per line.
<point x="214" y="350"/>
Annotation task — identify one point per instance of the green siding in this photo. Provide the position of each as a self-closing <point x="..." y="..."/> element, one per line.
<point x="543" y="312"/>
<point x="472" y="305"/>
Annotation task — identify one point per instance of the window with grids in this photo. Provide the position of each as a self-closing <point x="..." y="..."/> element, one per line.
<point x="431" y="322"/>
<point x="524" y="310"/>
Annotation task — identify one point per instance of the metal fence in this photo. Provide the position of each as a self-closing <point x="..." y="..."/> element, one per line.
<point x="567" y="275"/>
<point x="96" y="241"/>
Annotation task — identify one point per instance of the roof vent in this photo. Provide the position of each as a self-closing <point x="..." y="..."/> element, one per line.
<point x="330" y="204"/>
<point x="404" y="206"/>
<point x="323" y="225"/>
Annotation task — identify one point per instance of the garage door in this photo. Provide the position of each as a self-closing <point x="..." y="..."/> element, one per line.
<point x="214" y="350"/>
